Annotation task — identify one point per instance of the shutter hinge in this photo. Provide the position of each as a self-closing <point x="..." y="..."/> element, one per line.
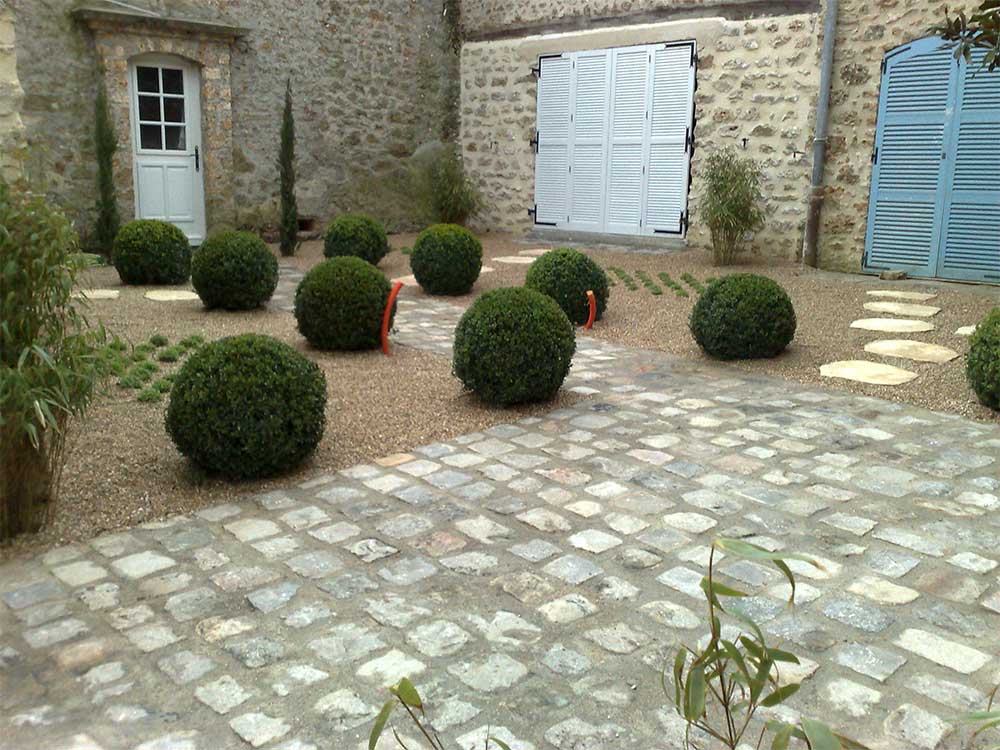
<point x="536" y="70"/>
<point x="694" y="56"/>
<point x="864" y="259"/>
<point x="875" y="155"/>
<point x="534" y="142"/>
<point x="688" y="140"/>
<point x="533" y="212"/>
<point x="684" y="221"/>
<point x="883" y="66"/>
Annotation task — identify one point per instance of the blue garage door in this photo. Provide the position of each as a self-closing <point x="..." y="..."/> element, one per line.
<point x="935" y="199"/>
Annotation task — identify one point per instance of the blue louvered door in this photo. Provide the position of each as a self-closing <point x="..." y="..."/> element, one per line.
<point x="970" y="242"/>
<point x="934" y="209"/>
<point x="915" y="114"/>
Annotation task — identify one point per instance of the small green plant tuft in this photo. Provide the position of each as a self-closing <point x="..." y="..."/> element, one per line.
<point x="131" y="381"/>
<point x="671" y="283"/>
<point x="191" y="342"/>
<point x="624" y="277"/>
<point x="692" y="282"/>
<point x="731" y="202"/>
<point x="149" y="395"/>
<point x="158" y="339"/>
<point x="163" y="385"/>
<point x="170" y="354"/>
<point x="648" y="282"/>
<point x="118" y="345"/>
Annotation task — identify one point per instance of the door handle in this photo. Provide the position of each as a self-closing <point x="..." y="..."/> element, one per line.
<point x="197" y="160"/>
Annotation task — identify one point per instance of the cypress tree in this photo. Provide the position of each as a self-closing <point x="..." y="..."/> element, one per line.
<point x="106" y="142"/>
<point x="289" y="221"/>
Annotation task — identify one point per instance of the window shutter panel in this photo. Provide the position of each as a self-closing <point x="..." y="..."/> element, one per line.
<point x="553" y="125"/>
<point x="971" y="242"/>
<point x="907" y="180"/>
<point x="629" y="101"/>
<point x="671" y="118"/>
<point x="590" y="127"/>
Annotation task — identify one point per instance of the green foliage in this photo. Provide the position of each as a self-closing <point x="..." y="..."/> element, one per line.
<point x="163" y="385"/>
<point x="288" y="224"/>
<point x="980" y="30"/>
<point x="446" y="259"/>
<point x="234" y="271"/>
<point x="90" y="260"/>
<point x="513" y="346"/>
<point x="170" y="354"/>
<point x="648" y="282"/>
<point x="106" y="142"/>
<point x="624" y="277"/>
<point x="247" y="407"/>
<point x="340" y="303"/>
<point x="718" y="687"/>
<point x="358" y="235"/>
<point x="743" y="316"/>
<point x="150" y="395"/>
<point x="191" y="342"/>
<point x="131" y="381"/>
<point x="147" y="251"/>
<point x="141" y="352"/>
<point x="158" y="339"/>
<point x="731" y="202"/>
<point x="670" y="283"/>
<point x="566" y="275"/>
<point x="118" y="345"/>
<point x="982" y="367"/>
<point x="693" y="282"/>
<point x="51" y="361"/>
<point x="454" y="199"/>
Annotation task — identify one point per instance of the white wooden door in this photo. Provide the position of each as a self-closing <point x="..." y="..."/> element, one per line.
<point x="553" y="128"/>
<point x="168" y="161"/>
<point x="588" y="147"/>
<point x="627" y="139"/>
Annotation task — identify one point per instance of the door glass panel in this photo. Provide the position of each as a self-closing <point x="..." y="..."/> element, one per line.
<point x="173" y="110"/>
<point x="148" y="79"/>
<point x="149" y="108"/>
<point x="173" y="81"/>
<point x="149" y="136"/>
<point x="175" y="138"/>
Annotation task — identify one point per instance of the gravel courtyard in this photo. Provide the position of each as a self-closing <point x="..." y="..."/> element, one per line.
<point x="532" y="577"/>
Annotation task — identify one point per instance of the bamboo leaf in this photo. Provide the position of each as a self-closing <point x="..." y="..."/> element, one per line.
<point x="780" y="695"/>
<point x="694" y="694"/>
<point x="380" y="722"/>
<point x="407" y="694"/>
<point x="819" y="735"/>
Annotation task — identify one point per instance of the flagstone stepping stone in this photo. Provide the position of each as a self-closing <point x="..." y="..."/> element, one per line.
<point x="903" y="308"/>
<point x="915" y="350"/>
<point x="965" y="331"/>
<point x="862" y="371"/>
<point x="171" y="295"/>
<point x="534" y="253"/>
<point x="92" y="294"/>
<point x="515" y="260"/>
<point x="912" y="296"/>
<point x="893" y="325"/>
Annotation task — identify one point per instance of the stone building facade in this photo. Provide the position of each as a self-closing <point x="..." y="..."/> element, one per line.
<point x="11" y="95"/>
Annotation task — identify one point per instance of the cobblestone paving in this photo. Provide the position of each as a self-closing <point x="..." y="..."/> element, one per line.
<point x="533" y="577"/>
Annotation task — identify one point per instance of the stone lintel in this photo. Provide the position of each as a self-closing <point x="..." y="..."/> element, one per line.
<point x="102" y="17"/>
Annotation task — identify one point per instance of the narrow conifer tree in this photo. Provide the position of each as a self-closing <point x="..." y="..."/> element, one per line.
<point x="289" y="221"/>
<point x="106" y="141"/>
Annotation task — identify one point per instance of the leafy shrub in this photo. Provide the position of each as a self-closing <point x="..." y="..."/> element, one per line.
<point x="731" y="202"/>
<point x="51" y="361"/>
<point x="247" y="406"/>
<point x="443" y="192"/>
<point x="743" y="316"/>
<point x="566" y="275"/>
<point x="147" y="251"/>
<point x="357" y="235"/>
<point x="234" y="271"/>
<point x="513" y="346"/>
<point x="340" y="302"/>
<point x="446" y="259"/>
<point x="982" y="368"/>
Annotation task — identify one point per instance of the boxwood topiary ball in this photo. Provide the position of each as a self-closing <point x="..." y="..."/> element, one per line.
<point x="743" y="316"/>
<point x="513" y="346"/>
<point x="446" y="259"/>
<point x="566" y="275"/>
<point x="982" y="368"/>
<point x="340" y="302"/>
<point x="358" y="235"/>
<point x="247" y="407"/>
<point x="234" y="271"/>
<point x="147" y="251"/>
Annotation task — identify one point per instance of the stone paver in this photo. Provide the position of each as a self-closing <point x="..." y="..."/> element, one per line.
<point x="864" y="371"/>
<point x="171" y="295"/>
<point x="903" y="308"/>
<point x="893" y="325"/>
<point x="532" y="578"/>
<point x="918" y="351"/>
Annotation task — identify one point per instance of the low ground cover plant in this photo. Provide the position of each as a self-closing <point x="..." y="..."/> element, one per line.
<point x="672" y="284"/>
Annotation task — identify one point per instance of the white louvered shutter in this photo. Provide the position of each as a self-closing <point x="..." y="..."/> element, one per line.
<point x="626" y="147"/>
<point x="592" y="82"/>
<point x="671" y="118"/>
<point x="553" y="131"/>
<point x="971" y="237"/>
<point x="909" y="176"/>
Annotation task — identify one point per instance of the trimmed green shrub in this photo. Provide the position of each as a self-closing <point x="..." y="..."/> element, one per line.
<point x="147" y="251"/>
<point x="247" y="406"/>
<point x="566" y="275"/>
<point x="513" y="346"/>
<point x="340" y="302"/>
<point x="982" y="367"/>
<point x="446" y="259"/>
<point x="743" y="316"/>
<point x="234" y="271"/>
<point x="358" y="235"/>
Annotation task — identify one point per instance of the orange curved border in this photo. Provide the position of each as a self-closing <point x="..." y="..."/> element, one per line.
<point x="592" y="301"/>
<point x="387" y="314"/>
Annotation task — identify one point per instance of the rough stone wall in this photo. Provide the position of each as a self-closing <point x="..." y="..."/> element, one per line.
<point x="369" y="78"/>
<point x="757" y="80"/>
<point x="866" y="30"/>
<point x="11" y="95"/>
